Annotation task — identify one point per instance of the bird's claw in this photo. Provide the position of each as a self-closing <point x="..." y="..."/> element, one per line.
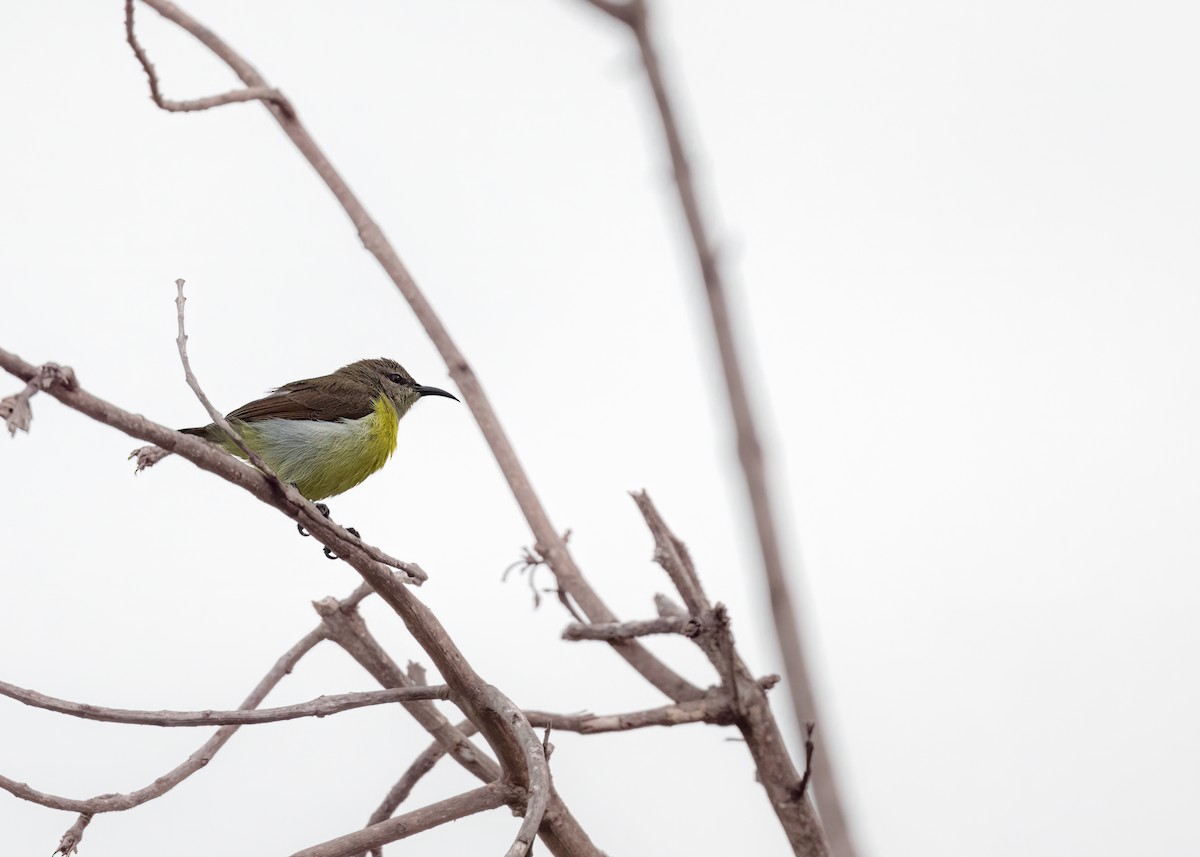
<point x="330" y="554"/>
<point x="323" y="509"/>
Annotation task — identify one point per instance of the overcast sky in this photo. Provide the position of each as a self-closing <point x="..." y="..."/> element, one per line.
<point x="962" y="237"/>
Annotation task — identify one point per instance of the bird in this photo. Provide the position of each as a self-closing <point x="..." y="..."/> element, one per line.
<point x="326" y="435"/>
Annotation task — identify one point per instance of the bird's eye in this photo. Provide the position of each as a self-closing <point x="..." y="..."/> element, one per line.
<point x="396" y="378"/>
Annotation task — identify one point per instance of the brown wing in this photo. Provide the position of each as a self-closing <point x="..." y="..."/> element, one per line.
<point x="329" y="398"/>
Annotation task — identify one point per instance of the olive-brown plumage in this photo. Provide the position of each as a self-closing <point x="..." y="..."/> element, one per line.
<point x="327" y="434"/>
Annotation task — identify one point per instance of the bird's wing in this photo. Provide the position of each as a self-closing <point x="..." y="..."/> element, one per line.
<point x="329" y="401"/>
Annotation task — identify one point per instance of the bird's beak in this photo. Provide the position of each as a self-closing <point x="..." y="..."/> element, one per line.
<point x="435" y="391"/>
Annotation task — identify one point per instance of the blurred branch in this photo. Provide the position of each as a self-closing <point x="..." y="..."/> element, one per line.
<point x="322" y="706"/>
<point x="634" y="14"/>
<point x="549" y="543"/>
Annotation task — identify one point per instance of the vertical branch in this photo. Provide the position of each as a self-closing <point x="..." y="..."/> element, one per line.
<point x="634" y="14"/>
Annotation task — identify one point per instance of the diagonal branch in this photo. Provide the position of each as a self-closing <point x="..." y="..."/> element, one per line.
<point x="561" y="831"/>
<point x="322" y="706"/>
<point x="192" y="764"/>
<point x="412" y="775"/>
<point x="499" y="721"/>
<point x="253" y="93"/>
<point x="208" y="457"/>
<point x="752" y="712"/>
<point x="549" y="543"/>
<point x="394" y="829"/>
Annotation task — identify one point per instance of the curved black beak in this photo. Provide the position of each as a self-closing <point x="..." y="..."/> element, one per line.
<point x="434" y="391"/>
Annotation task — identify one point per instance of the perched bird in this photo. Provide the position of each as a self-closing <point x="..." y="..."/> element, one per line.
<point x="327" y="434"/>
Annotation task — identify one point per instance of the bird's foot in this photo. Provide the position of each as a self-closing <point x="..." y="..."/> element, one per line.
<point x="323" y="509"/>
<point x="330" y="554"/>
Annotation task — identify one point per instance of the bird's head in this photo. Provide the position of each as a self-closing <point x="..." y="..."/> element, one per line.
<point x="387" y="377"/>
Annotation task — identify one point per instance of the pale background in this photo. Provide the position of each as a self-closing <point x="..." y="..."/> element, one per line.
<point x="963" y="241"/>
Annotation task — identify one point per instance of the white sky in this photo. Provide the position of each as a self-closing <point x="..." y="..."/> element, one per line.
<point x="962" y="236"/>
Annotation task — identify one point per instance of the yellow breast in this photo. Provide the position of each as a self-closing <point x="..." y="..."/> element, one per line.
<point x="324" y="458"/>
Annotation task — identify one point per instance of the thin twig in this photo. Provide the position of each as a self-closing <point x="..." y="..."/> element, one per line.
<point x="403" y="787"/>
<point x="253" y="93"/>
<point x="193" y="763"/>
<point x="302" y="509"/>
<point x="322" y="706"/>
<point x="668" y="555"/>
<point x="687" y="626"/>
<point x="213" y="414"/>
<point x="714" y="709"/>
<point x="394" y="829"/>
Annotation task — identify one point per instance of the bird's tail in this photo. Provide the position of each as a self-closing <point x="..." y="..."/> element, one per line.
<point x="203" y="431"/>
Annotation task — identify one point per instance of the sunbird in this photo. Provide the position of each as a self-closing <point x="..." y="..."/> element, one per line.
<point x="325" y="435"/>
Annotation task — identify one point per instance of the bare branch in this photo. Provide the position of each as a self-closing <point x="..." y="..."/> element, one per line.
<point x="69" y="844"/>
<point x="15" y="408"/>
<point x="549" y="543"/>
<point x="714" y="708"/>
<point x="193" y="763"/>
<point x="750" y="453"/>
<point x="537" y="779"/>
<point x="215" y="460"/>
<point x="560" y="830"/>
<point x="181" y="343"/>
<point x="747" y="695"/>
<point x="420" y="766"/>
<point x="395" y="829"/>
<point x="667" y="554"/>
<point x="688" y="627"/>
<point x="254" y="93"/>
<point x="322" y="706"/>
